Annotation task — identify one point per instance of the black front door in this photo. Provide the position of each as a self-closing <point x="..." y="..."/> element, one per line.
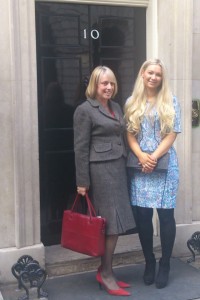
<point x="71" y="40"/>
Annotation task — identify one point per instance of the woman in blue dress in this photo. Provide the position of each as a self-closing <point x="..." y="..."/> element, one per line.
<point x="153" y="120"/>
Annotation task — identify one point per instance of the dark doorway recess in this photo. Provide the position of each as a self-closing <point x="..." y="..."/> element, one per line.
<point x="72" y="39"/>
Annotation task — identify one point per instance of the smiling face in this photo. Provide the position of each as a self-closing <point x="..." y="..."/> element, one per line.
<point x="105" y="87"/>
<point x="152" y="77"/>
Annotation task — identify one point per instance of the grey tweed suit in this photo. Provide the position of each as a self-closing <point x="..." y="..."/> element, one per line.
<point x="100" y="162"/>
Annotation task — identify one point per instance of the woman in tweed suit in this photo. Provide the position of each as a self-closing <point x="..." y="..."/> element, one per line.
<point x="100" y="166"/>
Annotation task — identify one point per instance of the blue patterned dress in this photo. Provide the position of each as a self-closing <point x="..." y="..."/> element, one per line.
<point x="156" y="190"/>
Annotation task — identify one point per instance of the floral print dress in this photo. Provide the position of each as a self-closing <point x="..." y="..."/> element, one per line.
<point x="157" y="189"/>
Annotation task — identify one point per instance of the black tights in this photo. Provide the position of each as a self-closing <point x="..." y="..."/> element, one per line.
<point x="145" y="230"/>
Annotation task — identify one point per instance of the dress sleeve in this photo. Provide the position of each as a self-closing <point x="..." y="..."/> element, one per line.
<point x="177" y="119"/>
<point x="82" y="135"/>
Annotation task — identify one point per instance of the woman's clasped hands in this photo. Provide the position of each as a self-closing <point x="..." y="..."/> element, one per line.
<point x="148" y="162"/>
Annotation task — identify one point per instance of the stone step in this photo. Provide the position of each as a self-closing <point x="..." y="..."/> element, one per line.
<point x="60" y="261"/>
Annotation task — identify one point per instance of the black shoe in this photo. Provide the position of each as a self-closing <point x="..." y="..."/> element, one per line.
<point x="149" y="273"/>
<point x="163" y="275"/>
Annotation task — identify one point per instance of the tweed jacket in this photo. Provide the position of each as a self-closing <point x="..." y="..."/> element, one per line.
<point x="98" y="136"/>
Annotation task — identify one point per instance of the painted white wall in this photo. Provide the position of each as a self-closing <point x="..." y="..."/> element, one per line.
<point x="19" y="168"/>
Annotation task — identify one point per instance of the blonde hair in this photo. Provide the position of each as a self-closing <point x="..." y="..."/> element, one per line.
<point x="94" y="80"/>
<point x="136" y="105"/>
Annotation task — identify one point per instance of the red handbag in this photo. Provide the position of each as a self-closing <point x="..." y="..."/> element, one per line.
<point x="83" y="233"/>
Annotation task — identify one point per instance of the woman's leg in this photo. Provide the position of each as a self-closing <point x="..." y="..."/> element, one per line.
<point x="145" y="231"/>
<point x="167" y="236"/>
<point x="106" y="262"/>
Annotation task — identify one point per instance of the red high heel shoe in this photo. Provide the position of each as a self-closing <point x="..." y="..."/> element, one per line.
<point x="118" y="292"/>
<point x="121" y="284"/>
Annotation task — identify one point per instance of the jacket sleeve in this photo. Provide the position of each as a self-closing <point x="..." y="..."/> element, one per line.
<point x="82" y="136"/>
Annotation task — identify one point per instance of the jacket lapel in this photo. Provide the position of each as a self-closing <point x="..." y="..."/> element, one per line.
<point x="114" y="109"/>
<point x="95" y="103"/>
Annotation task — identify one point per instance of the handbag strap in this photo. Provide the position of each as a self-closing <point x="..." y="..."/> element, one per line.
<point x="89" y="204"/>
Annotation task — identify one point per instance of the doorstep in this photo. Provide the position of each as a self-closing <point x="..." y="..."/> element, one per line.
<point x="60" y="261"/>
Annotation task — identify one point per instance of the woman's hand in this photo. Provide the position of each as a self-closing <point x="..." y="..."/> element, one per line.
<point x="148" y="162"/>
<point x="81" y="190"/>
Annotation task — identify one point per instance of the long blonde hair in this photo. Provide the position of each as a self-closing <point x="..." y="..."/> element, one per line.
<point x="94" y="80"/>
<point x="135" y="107"/>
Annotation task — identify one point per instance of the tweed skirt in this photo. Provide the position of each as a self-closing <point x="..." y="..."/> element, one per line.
<point x="109" y="194"/>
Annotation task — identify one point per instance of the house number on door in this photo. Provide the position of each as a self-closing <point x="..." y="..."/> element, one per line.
<point x="94" y="34"/>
